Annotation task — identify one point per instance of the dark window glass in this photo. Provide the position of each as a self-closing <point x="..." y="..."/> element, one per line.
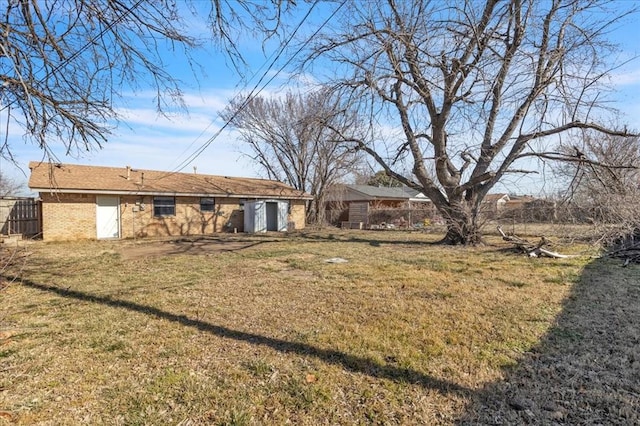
<point x="164" y="206"/>
<point x="206" y="204"/>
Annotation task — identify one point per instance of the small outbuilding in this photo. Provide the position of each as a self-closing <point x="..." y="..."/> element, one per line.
<point x="357" y="206"/>
<point x="266" y="215"/>
<point x="87" y="202"/>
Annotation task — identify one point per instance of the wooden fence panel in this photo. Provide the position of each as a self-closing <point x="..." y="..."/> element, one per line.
<point x="359" y="212"/>
<point x="21" y="216"/>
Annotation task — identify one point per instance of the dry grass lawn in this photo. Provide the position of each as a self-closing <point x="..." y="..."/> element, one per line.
<point x="261" y="330"/>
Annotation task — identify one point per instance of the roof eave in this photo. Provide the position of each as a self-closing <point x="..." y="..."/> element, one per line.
<point x="168" y="193"/>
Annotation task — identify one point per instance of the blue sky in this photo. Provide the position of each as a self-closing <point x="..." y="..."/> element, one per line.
<point x="146" y="140"/>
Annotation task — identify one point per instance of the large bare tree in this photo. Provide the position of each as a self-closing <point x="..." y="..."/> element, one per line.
<point x="65" y="63"/>
<point x="296" y="139"/>
<point x="476" y="88"/>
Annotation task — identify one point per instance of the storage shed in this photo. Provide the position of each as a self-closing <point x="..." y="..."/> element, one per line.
<point x="266" y="215"/>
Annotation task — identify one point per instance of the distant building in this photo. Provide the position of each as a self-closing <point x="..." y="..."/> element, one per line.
<point x="351" y="205"/>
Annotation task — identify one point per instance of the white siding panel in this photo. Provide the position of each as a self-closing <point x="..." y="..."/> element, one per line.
<point x="283" y="215"/>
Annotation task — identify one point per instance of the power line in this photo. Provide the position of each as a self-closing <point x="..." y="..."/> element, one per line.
<point x="206" y="144"/>
<point x="256" y="91"/>
<point x="236" y="88"/>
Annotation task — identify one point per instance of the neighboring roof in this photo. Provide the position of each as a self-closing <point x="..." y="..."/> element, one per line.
<point x="520" y="199"/>
<point x="495" y="198"/>
<point x="369" y="192"/>
<point x="72" y="178"/>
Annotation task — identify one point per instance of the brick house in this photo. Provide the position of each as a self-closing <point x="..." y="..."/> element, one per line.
<point x="87" y="202"/>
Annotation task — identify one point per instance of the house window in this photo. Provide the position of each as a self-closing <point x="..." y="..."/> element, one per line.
<point x="164" y="206"/>
<point x="207" y="204"/>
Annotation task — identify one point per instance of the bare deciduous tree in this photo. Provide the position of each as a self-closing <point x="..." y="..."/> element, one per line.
<point x="64" y="62"/>
<point x="294" y="140"/>
<point x="10" y="187"/>
<point x="603" y="186"/>
<point x="475" y="86"/>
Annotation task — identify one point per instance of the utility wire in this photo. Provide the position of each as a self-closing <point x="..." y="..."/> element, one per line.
<point x="256" y="90"/>
<point x="237" y="88"/>
<point x="251" y="95"/>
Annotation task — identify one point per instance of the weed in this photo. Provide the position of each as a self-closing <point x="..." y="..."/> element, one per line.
<point x="258" y="367"/>
<point x="7" y="353"/>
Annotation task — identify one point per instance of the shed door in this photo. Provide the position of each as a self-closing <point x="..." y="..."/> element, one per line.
<point x="260" y="217"/>
<point x="255" y="216"/>
<point x="283" y="215"/>
<point x="107" y="212"/>
<point x="249" y="209"/>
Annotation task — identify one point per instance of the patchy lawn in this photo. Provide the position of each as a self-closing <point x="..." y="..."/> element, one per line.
<point x="261" y="330"/>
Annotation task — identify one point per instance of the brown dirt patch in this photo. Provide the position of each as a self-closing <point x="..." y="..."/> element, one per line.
<point x="194" y="246"/>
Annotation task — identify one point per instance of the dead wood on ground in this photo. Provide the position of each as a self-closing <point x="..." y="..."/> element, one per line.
<point x="627" y="249"/>
<point x="531" y="249"/>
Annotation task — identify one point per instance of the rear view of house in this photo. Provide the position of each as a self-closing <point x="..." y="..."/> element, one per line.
<point x="84" y="202"/>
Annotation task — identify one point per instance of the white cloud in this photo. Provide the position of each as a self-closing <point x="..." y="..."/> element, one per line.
<point x="147" y="140"/>
<point x="626" y="78"/>
<point x="145" y="120"/>
<point x="212" y="100"/>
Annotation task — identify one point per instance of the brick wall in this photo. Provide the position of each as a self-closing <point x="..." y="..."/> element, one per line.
<point x="73" y="216"/>
<point x="68" y="216"/>
<point x="297" y="213"/>
<point x="137" y="219"/>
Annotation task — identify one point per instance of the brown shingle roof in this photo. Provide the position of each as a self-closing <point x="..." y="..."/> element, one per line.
<point x="493" y="198"/>
<point x="97" y="179"/>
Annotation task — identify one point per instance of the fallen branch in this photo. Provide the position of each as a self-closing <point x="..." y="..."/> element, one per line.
<point x="543" y="252"/>
<point x="532" y="250"/>
<point x="629" y="255"/>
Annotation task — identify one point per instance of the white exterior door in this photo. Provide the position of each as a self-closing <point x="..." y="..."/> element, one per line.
<point x="283" y="216"/>
<point x="107" y="216"/>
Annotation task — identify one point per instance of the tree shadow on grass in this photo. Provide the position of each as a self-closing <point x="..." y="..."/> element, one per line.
<point x="369" y="237"/>
<point x="587" y="368"/>
<point x="348" y="362"/>
<point x="203" y="246"/>
<point x="189" y="246"/>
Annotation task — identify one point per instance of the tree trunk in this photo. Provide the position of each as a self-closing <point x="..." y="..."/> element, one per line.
<point x="462" y="227"/>
<point x="311" y="212"/>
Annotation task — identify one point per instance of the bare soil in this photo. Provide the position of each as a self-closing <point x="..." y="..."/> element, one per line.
<point x="194" y="246"/>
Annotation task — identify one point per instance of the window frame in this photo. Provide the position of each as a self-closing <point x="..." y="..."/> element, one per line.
<point x="212" y="205"/>
<point x="164" y="210"/>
